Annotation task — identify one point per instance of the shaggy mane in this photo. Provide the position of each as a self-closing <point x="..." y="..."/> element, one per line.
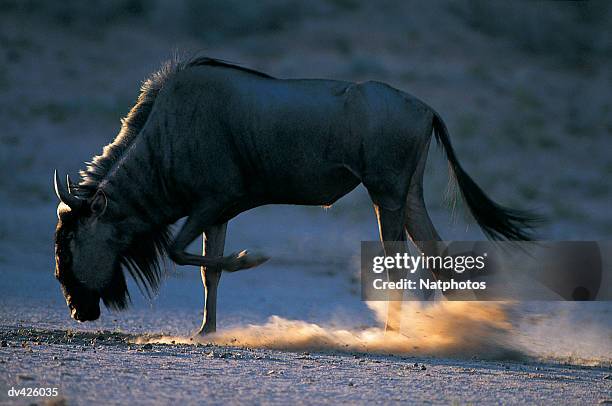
<point x="135" y="120"/>
<point x="144" y="258"/>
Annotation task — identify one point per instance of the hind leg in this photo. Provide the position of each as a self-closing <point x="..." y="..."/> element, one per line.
<point x="391" y="227"/>
<point x="418" y="223"/>
<point x="423" y="233"/>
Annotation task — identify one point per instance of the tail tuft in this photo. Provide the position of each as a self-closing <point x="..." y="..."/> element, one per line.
<point x="497" y="222"/>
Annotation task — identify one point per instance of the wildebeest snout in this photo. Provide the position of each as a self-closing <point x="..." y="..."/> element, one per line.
<point x="89" y="312"/>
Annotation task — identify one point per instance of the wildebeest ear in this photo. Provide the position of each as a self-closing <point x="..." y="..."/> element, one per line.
<point x="98" y="203"/>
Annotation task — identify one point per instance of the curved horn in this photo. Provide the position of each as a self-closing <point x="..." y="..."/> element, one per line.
<point x="69" y="184"/>
<point x="63" y="193"/>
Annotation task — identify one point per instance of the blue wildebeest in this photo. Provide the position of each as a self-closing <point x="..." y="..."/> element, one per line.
<point x="208" y="140"/>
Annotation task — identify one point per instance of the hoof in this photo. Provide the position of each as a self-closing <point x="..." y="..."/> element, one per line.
<point x="203" y="332"/>
<point x="244" y="260"/>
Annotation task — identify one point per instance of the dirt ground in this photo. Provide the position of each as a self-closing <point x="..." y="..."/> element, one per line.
<point x="315" y="350"/>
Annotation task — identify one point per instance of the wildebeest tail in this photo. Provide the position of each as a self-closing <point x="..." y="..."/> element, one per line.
<point x="497" y="222"/>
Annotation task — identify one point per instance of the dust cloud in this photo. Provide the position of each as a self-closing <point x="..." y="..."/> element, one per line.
<point x="450" y="329"/>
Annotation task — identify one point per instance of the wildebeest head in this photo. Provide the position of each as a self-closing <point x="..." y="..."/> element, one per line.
<point x="87" y="261"/>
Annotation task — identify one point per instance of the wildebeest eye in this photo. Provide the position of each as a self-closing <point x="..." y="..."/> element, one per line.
<point x="98" y="203"/>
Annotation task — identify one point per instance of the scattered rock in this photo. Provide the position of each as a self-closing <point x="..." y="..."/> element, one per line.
<point x="25" y="377"/>
<point x="271" y="372"/>
<point x="351" y="383"/>
<point x="147" y="346"/>
<point x="423" y="368"/>
<point x="3" y="343"/>
<point x="607" y="377"/>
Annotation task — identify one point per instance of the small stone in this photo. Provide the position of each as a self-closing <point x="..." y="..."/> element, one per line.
<point x="25" y="377"/>
<point x="351" y="383"/>
<point x="3" y="343"/>
<point x="147" y="346"/>
<point x="55" y="358"/>
<point x="423" y="368"/>
<point x="607" y="377"/>
<point x="271" y="372"/>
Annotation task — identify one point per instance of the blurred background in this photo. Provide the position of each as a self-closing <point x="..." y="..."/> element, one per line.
<point x="524" y="87"/>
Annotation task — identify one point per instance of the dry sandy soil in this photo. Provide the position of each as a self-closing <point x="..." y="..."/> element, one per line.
<point x="530" y="121"/>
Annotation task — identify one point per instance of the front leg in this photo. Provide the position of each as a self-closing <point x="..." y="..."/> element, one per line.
<point x="192" y="228"/>
<point x="212" y="264"/>
<point x="213" y="243"/>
